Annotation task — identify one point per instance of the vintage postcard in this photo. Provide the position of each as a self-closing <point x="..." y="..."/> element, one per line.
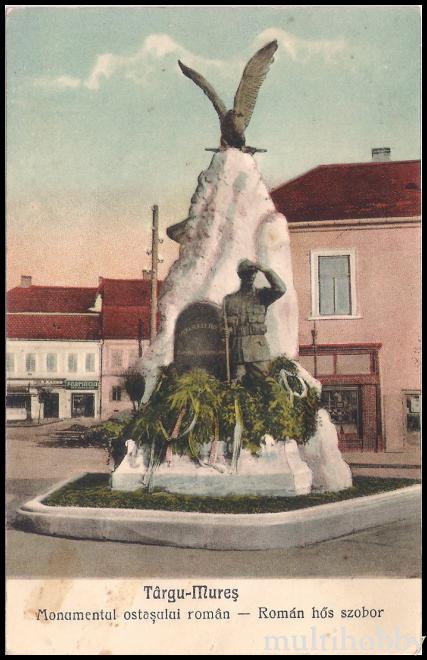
<point x="213" y="405"/>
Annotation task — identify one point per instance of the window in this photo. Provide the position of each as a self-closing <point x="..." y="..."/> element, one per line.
<point x="117" y="359"/>
<point x="10" y="362"/>
<point x="116" y="393"/>
<point x="90" y="361"/>
<point x="133" y="356"/>
<point x="30" y="362"/>
<point x="72" y="362"/>
<point x="343" y="405"/>
<point x="412" y="412"/>
<point x="333" y="283"/>
<point x="51" y="362"/>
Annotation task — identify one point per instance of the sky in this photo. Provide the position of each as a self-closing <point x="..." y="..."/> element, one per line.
<point x="101" y="123"/>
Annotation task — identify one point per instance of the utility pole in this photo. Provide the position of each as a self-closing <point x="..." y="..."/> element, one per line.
<point x="155" y="240"/>
<point x="314" y="342"/>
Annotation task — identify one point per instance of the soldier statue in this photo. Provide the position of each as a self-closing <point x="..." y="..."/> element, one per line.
<point x="244" y="316"/>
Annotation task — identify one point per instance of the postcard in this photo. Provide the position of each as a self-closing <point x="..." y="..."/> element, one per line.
<point x="213" y="405"/>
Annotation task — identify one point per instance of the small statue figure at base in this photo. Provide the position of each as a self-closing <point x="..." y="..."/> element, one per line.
<point x="132" y="451"/>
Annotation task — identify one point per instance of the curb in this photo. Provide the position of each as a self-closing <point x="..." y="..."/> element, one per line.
<point x="260" y="531"/>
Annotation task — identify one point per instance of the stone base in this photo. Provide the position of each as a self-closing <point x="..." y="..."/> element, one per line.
<point x="278" y="471"/>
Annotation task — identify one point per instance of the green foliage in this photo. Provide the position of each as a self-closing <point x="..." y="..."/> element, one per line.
<point x="199" y="394"/>
<point x="93" y="490"/>
<point x="110" y="436"/>
<point x="205" y="408"/>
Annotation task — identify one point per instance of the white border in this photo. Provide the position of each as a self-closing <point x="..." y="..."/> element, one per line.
<point x="314" y="256"/>
<point x="259" y="531"/>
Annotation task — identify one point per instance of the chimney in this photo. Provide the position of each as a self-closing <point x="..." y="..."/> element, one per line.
<point x="100" y="280"/>
<point x="146" y="274"/>
<point x="381" y="154"/>
<point x="25" y="281"/>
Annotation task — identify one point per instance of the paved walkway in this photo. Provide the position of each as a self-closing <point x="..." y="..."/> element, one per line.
<point x="386" y="551"/>
<point x="386" y="464"/>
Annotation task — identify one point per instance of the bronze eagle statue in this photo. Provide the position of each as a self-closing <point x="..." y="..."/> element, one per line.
<point x="234" y="122"/>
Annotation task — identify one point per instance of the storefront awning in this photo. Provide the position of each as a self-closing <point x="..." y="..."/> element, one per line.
<point x="17" y="389"/>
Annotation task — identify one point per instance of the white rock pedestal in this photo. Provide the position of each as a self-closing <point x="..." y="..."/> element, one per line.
<point x="232" y="217"/>
<point x="278" y="471"/>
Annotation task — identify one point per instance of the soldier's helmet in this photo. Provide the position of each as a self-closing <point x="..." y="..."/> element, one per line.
<point x="246" y="266"/>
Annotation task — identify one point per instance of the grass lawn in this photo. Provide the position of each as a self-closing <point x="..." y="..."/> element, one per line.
<point x="93" y="490"/>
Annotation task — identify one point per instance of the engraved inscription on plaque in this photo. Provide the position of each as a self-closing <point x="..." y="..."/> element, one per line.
<point x="199" y="342"/>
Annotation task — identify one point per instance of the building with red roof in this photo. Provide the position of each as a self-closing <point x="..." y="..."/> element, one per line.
<point x="125" y="329"/>
<point x="70" y="346"/>
<point x="355" y="241"/>
<point x="361" y="191"/>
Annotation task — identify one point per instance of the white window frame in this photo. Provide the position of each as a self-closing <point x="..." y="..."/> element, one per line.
<point x="34" y="356"/>
<point x="314" y="268"/>
<point x="90" y="356"/>
<point x="10" y="363"/>
<point x="55" y="356"/>
<point x="72" y="371"/>
<point x="117" y="353"/>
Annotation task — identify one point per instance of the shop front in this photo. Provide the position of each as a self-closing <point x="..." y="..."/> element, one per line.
<point x="18" y="403"/>
<point x="351" y="391"/>
<point x="34" y="399"/>
<point x="84" y="397"/>
<point x="51" y="399"/>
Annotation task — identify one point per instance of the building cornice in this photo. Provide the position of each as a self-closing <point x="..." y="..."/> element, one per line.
<point x="357" y="223"/>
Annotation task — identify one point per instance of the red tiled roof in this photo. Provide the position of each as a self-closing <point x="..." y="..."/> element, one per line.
<point x="125" y="306"/>
<point x="354" y="190"/>
<point x="125" y="322"/>
<point x="126" y="292"/>
<point x="63" y="299"/>
<point x="53" y="326"/>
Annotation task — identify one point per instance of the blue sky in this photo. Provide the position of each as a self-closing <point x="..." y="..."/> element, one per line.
<point x="102" y="124"/>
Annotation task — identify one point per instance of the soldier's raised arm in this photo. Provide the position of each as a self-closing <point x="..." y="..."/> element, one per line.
<point x="278" y="287"/>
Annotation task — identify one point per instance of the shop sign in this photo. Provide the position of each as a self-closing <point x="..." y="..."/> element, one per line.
<point x="38" y="382"/>
<point x="46" y="382"/>
<point x="81" y="384"/>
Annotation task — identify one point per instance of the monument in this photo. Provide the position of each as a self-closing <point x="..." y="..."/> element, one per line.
<point x="227" y="408"/>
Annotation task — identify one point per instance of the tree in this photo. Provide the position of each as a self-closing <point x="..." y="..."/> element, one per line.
<point x="134" y="383"/>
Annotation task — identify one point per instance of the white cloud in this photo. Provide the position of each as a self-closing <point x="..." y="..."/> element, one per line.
<point x="301" y="50"/>
<point x="60" y="82"/>
<point x="144" y="63"/>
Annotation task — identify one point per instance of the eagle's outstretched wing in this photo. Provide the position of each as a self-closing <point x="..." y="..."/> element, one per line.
<point x="253" y="76"/>
<point x="206" y="87"/>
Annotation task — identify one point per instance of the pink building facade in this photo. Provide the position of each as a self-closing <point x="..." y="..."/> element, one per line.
<point x="355" y="239"/>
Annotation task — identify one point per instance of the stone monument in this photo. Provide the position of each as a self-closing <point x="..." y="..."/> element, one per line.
<point x="228" y="309"/>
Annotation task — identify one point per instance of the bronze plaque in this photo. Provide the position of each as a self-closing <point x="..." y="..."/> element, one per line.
<point x="199" y="342"/>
